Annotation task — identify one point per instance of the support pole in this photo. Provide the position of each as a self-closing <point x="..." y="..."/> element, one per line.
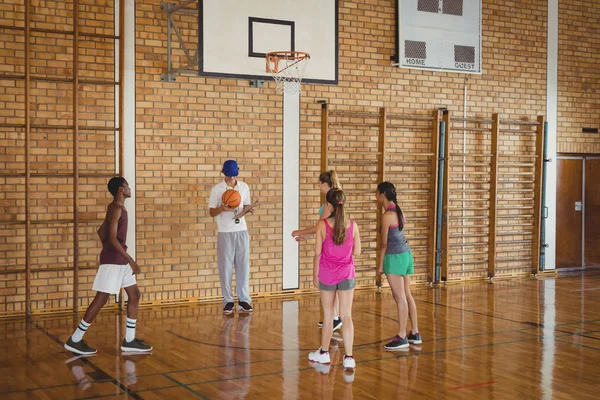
<point x="75" y="156"/>
<point x="324" y="138"/>
<point x="537" y="195"/>
<point x="27" y="159"/>
<point x="492" y="248"/>
<point x="543" y="244"/>
<point x="445" y="209"/>
<point x="380" y="178"/>
<point x="121" y="87"/>
<point x="432" y="272"/>
<point x="441" y="160"/>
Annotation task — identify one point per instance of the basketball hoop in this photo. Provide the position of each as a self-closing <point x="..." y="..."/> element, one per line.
<point x="287" y="69"/>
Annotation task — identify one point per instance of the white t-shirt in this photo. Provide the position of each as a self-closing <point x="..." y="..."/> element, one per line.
<point x="225" y="220"/>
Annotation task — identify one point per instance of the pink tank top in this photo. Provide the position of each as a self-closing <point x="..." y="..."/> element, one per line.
<point x="336" y="263"/>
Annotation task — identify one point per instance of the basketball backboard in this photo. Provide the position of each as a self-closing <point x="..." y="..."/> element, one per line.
<point x="235" y="35"/>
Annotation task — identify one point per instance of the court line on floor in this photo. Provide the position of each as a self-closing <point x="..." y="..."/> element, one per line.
<point x="136" y="391"/>
<point x="471" y="385"/>
<point x="564" y="334"/>
<point x="263" y="349"/>
<point x="397" y="356"/>
<point x="524" y="330"/>
<point x="589" y="337"/>
<point x="584" y="334"/>
<point x="583" y="321"/>
<point x="113" y="380"/>
<point x="455" y="337"/>
<point x="221" y="366"/>
<point x="161" y="373"/>
<point x="534" y="324"/>
<point x="384" y="359"/>
<point x="356" y="347"/>
<point x="186" y="387"/>
<point x="99" y="396"/>
<point x="578" y="345"/>
<point x="51" y="387"/>
<point x="580" y="333"/>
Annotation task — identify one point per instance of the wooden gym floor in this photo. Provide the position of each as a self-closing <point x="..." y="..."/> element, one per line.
<point x="529" y="338"/>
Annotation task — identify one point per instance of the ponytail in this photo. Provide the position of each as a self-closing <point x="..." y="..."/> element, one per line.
<point x="337" y="199"/>
<point x="389" y="191"/>
<point x="331" y="179"/>
<point x="335" y="182"/>
<point x="400" y="214"/>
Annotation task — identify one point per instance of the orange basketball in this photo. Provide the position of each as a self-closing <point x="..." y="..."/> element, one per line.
<point x="232" y="198"/>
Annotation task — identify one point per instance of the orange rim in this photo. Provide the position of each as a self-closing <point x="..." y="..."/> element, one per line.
<point x="273" y="58"/>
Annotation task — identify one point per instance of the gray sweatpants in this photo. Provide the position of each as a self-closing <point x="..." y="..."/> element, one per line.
<point x="233" y="248"/>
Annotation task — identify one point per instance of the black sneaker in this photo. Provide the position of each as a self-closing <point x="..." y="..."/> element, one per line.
<point x="244" y="307"/>
<point x="80" y="347"/>
<point x="228" y="309"/>
<point x="397" y="343"/>
<point x="414" y="338"/>
<point x="337" y="324"/>
<point x="135" y="345"/>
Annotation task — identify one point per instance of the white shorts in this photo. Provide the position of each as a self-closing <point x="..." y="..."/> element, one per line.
<point x="110" y="278"/>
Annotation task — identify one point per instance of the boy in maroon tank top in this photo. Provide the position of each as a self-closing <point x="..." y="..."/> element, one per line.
<point x="117" y="270"/>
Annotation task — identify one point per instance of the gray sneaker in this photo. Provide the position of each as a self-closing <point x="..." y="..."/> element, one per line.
<point x="414" y="338"/>
<point x="397" y="343"/>
<point x="80" y="347"/>
<point x="135" y="345"/>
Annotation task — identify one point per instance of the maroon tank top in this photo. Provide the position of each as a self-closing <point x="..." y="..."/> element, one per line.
<point x="109" y="255"/>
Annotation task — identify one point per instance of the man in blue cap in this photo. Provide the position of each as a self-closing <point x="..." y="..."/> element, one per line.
<point x="233" y="243"/>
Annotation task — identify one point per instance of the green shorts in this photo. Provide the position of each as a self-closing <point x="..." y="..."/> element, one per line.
<point x="346" y="284"/>
<point x="399" y="264"/>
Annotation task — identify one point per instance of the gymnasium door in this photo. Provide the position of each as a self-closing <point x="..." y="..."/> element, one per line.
<point x="569" y="191"/>
<point x="578" y="212"/>
<point x="592" y="212"/>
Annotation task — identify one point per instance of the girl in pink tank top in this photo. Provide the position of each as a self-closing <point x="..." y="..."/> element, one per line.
<point x="337" y="243"/>
<point x="336" y="263"/>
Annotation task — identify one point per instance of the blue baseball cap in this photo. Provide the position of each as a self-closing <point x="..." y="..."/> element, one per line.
<point x="230" y="168"/>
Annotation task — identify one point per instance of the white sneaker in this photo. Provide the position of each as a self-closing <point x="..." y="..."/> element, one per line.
<point x="320" y="357"/>
<point x="349" y="362"/>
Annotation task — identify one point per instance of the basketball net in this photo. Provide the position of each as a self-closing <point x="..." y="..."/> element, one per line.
<point x="287" y="69"/>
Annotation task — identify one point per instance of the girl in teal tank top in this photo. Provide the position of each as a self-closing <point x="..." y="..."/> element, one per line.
<point x="327" y="180"/>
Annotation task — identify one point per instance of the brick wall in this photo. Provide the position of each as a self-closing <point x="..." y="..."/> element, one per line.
<point x="51" y="156"/>
<point x="224" y="112"/>
<point x="578" y="76"/>
<point x="186" y="129"/>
